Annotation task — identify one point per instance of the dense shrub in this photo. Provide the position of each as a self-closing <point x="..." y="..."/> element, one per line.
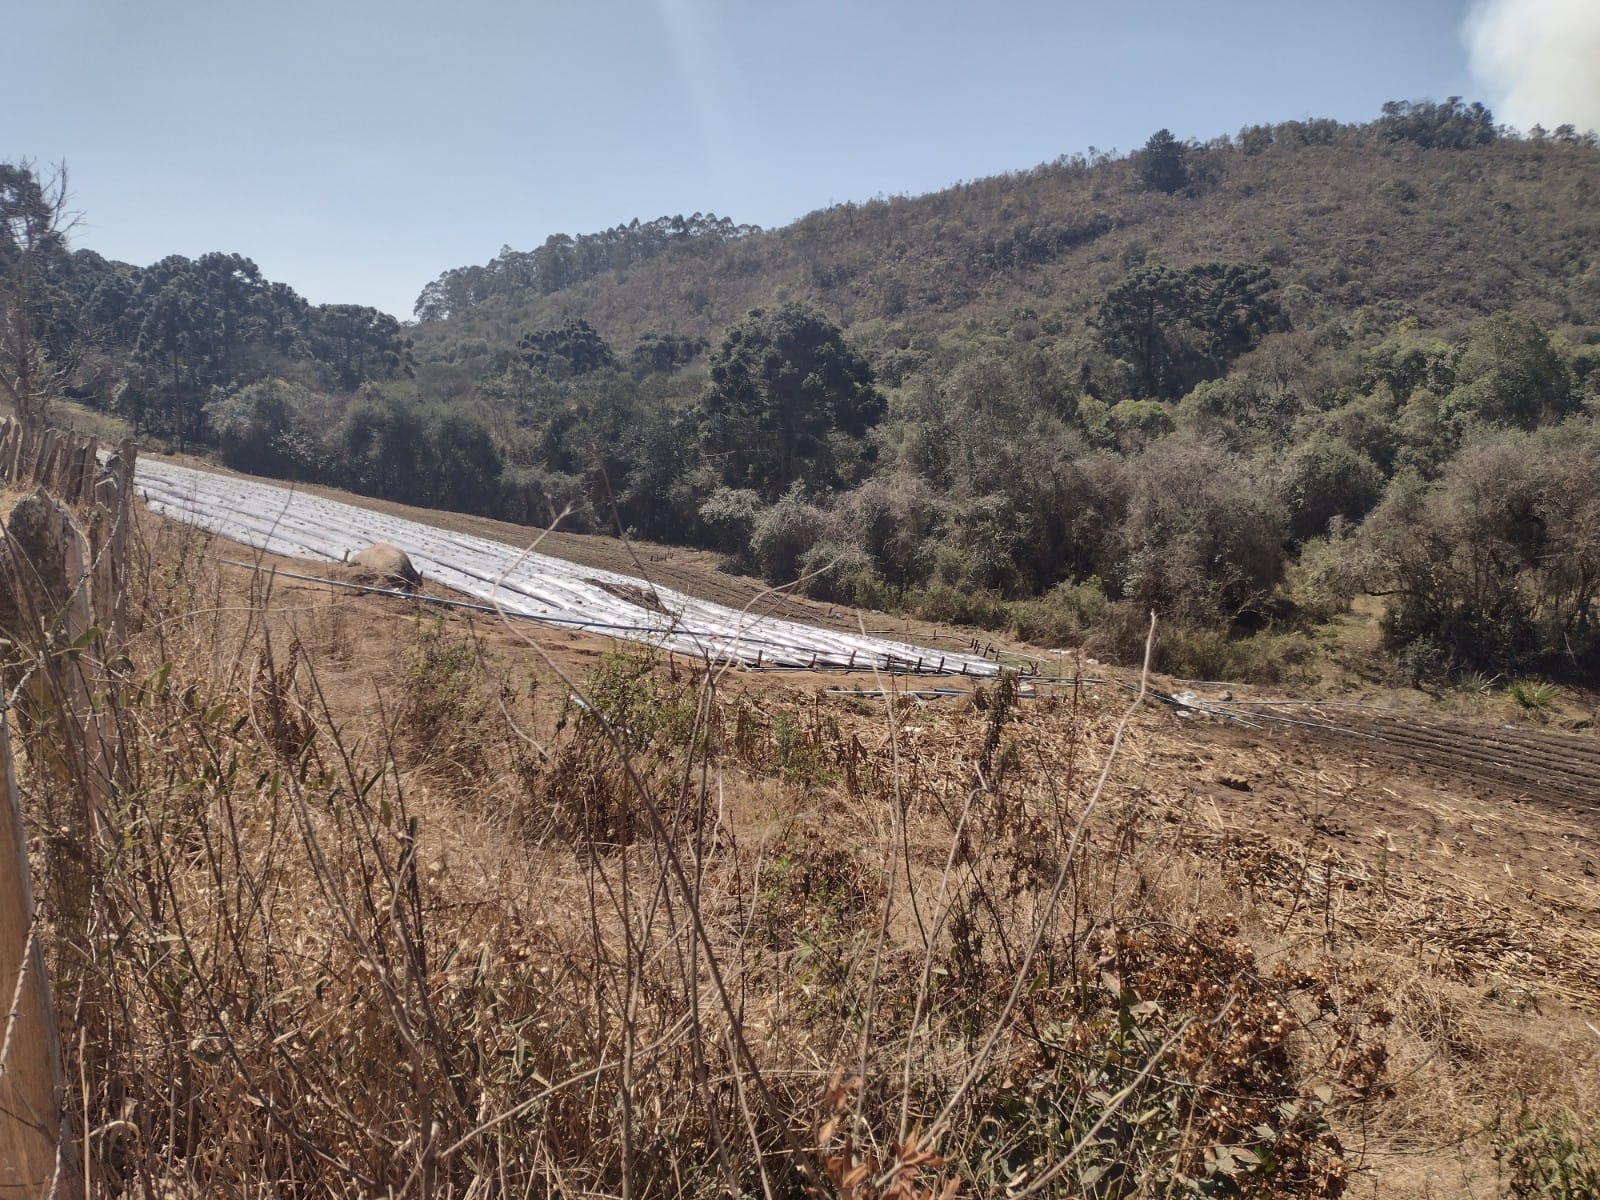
<point x="1512" y="373"/>
<point x="893" y="519"/>
<point x="730" y="515"/>
<point x="1325" y="478"/>
<point x="784" y="533"/>
<point x="960" y="606"/>
<point x="1203" y="538"/>
<point x="1498" y="564"/>
<point x="833" y="570"/>
<point x="1062" y="616"/>
<point x="269" y="428"/>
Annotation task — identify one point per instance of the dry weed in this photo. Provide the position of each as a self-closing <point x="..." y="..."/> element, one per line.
<point x="417" y="931"/>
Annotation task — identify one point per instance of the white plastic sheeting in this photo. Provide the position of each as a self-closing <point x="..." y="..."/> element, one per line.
<point x="281" y="520"/>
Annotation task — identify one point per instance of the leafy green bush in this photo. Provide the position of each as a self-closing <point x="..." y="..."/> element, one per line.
<point x="1212" y="654"/>
<point x="729" y="515"/>
<point x="1325" y="478"/>
<point x="831" y="570"/>
<point x="784" y="533"/>
<point x="1062" y="616"/>
<point x="1512" y="372"/>
<point x="959" y="606"/>
<point x="443" y="698"/>
<point x="641" y="705"/>
<point x="1327" y="576"/>
<point x="1473" y="683"/>
<point x="1497" y="565"/>
<point x="270" y="428"/>
<point x="1548" y="1158"/>
<point x="1532" y="694"/>
<point x="1202" y="541"/>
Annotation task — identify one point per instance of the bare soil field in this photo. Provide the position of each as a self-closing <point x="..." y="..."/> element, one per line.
<point x="1438" y="858"/>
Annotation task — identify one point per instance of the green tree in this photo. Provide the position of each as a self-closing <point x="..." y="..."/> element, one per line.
<point x="1451" y="125"/>
<point x="787" y="401"/>
<point x="1142" y="320"/>
<point x="1512" y="373"/>
<point x="663" y="353"/>
<point x="1176" y="328"/>
<point x="1202" y="538"/>
<point x="358" y="343"/>
<point x="575" y="348"/>
<point x="1323" y="478"/>
<point x="1138" y="423"/>
<point x="463" y="463"/>
<point x="36" y="356"/>
<point x="1163" y="164"/>
<point x="1497" y="564"/>
<point x="267" y="428"/>
<point x="206" y="324"/>
<point x="166" y="350"/>
<point x="384" y="447"/>
<point x="1408" y="361"/>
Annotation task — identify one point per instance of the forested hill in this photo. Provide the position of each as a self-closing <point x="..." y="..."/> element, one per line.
<point x="1238" y="383"/>
<point x="1403" y="217"/>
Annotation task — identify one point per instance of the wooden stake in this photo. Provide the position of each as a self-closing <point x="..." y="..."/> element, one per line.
<point x="37" y="1156"/>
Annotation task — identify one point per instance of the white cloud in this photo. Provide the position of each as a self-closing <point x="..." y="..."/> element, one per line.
<point x="1539" y="59"/>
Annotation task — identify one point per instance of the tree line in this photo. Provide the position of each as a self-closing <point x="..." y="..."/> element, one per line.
<point x="565" y="260"/>
<point x="160" y="344"/>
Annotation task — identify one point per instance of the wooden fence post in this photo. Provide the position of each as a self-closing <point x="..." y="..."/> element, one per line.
<point x="84" y="720"/>
<point x="36" y="1152"/>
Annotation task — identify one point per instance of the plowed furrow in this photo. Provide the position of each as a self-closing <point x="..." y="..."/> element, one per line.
<point x="1529" y="761"/>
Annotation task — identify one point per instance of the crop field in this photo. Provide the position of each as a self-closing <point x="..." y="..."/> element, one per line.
<point x="522" y="581"/>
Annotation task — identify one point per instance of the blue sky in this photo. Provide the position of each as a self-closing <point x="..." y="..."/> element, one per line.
<point x="355" y="149"/>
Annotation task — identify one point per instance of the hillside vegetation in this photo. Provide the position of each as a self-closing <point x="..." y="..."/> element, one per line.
<point x="1354" y="214"/>
<point x="1240" y="382"/>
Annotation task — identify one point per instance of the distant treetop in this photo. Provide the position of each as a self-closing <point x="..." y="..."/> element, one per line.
<point x="1163" y="163"/>
<point x="1453" y="125"/>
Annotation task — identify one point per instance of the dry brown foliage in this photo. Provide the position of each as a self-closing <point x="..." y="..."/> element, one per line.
<point x="623" y="927"/>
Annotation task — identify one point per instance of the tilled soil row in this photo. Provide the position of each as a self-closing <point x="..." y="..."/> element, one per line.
<point x="1535" y="763"/>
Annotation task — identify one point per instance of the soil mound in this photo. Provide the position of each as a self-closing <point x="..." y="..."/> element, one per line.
<point x="383" y="565"/>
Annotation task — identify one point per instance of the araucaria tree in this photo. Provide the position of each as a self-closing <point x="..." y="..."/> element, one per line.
<point x="1176" y="328"/>
<point x="788" y="402"/>
<point x="35" y="352"/>
<point x="1163" y="164"/>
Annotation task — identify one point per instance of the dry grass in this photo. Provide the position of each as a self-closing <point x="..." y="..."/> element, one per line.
<point x="399" y="906"/>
